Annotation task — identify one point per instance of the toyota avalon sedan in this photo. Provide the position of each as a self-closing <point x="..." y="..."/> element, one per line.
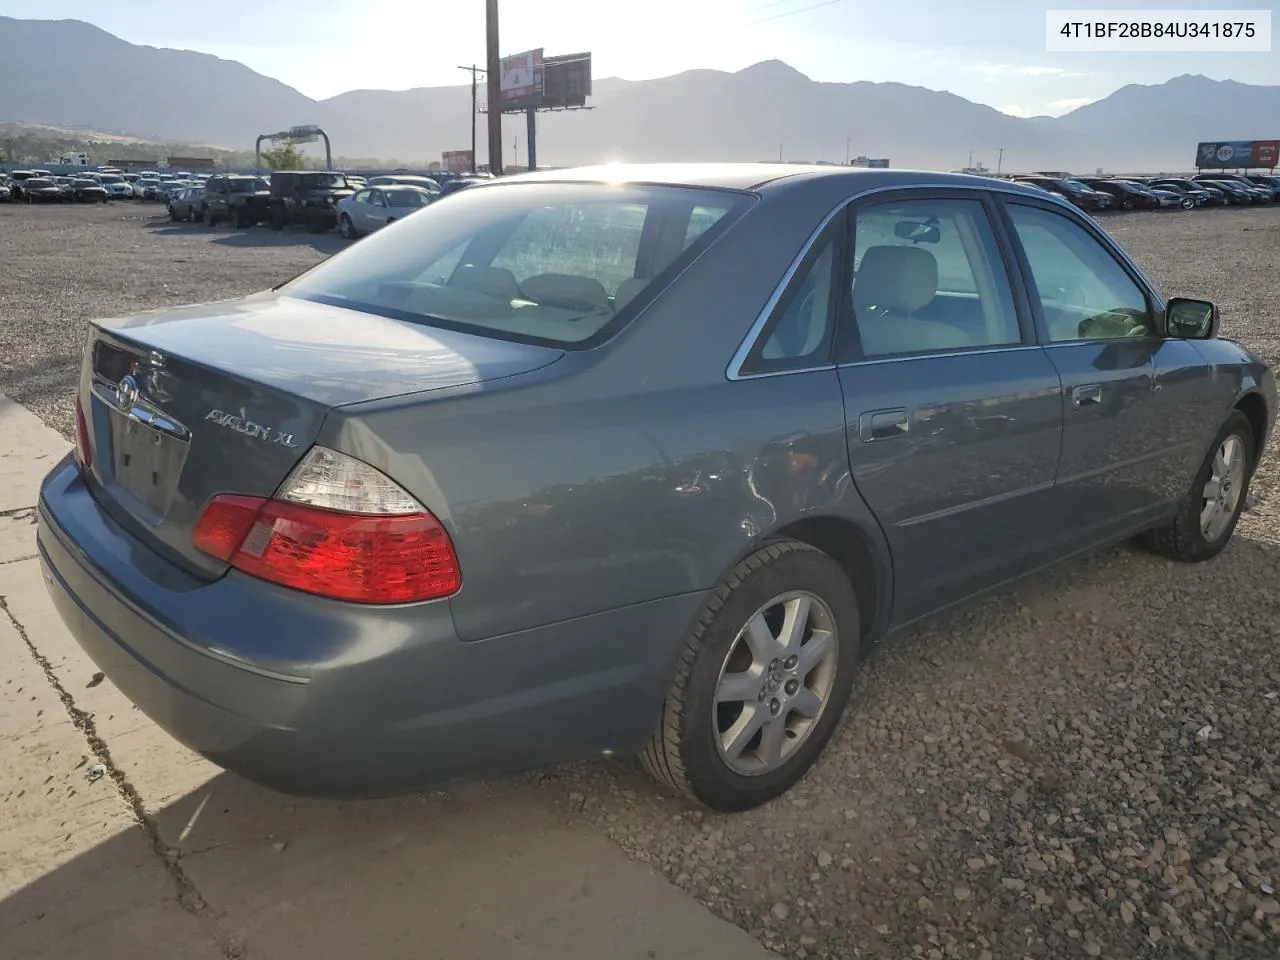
<point x="624" y="461"/>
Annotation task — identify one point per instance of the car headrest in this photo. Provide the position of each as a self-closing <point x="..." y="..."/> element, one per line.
<point x="566" y="291"/>
<point x="627" y="291"/>
<point x="497" y="282"/>
<point x="895" y="278"/>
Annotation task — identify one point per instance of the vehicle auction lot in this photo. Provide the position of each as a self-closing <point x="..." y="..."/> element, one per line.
<point x="1088" y="766"/>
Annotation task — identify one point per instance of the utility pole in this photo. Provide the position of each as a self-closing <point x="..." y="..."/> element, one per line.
<point x="1000" y="162"/>
<point x="531" y="135"/>
<point x="970" y="159"/>
<point x="473" y="70"/>
<point x="848" y="146"/>
<point x="494" y="66"/>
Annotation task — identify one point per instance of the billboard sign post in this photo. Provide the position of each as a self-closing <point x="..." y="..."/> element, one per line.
<point x="1237" y="154"/>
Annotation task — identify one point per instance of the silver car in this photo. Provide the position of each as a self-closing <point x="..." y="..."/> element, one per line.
<point x="624" y="461"/>
<point x="372" y="208"/>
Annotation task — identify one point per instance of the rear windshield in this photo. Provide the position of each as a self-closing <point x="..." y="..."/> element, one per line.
<point x="247" y="186"/>
<point x="323" y="181"/>
<point x="537" y="262"/>
<point x="407" y="198"/>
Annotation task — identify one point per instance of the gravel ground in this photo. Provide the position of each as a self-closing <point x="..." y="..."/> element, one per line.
<point x="1087" y="766"/>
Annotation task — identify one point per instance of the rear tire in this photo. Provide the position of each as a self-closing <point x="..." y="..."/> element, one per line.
<point x="738" y="687"/>
<point x="346" y="227"/>
<point x="277" y="218"/>
<point x="1199" y="532"/>
<point x="209" y="219"/>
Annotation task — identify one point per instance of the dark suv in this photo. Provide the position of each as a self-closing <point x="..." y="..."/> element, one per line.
<point x="241" y="199"/>
<point x="308" y="197"/>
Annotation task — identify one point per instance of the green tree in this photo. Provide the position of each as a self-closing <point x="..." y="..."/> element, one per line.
<point x="287" y="157"/>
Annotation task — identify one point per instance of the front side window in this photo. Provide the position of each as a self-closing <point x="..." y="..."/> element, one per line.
<point x="540" y="262"/>
<point x="1084" y="292"/>
<point x="928" y="277"/>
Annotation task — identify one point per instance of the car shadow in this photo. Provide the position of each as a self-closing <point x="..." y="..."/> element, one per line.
<point x="487" y="869"/>
<point x="259" y="235"/>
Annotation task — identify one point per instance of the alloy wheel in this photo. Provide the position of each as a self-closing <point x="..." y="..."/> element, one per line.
<point x="775" y="682"/>
<point x="1221" y="495"/>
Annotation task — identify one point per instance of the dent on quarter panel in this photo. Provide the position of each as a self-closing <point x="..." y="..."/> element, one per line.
<point x="565" y="509"/>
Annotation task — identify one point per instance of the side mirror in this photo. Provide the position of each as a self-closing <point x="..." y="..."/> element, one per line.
<point x="1191" y="319"/>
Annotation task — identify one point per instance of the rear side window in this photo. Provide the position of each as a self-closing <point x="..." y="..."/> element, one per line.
<point x="550" y="263"/>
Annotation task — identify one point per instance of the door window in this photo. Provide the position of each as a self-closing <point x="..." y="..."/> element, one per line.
<point x="1084" y="292"/>
<point x="362" y="196"/>
<point x="928" y="277"/>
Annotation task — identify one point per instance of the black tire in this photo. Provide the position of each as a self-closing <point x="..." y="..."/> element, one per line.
<point x="173" y="215"/>
<point x="683" y="753"/>
<point x="1127" y="205"/>
<point x="1183" y="539"/>
<point x="277" y="218"/>
<point x="346" y="227"/>
<point x="241" y="219"/>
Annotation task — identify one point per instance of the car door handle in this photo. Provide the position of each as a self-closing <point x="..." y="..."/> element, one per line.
<point x="883" y="425"/>
<point x="1087" y="395"/>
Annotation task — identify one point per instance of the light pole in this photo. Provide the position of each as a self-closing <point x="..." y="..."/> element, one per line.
<point x="473" y="70"/>
<point x="1000" y="162"/>
<point x="493" y="66"/>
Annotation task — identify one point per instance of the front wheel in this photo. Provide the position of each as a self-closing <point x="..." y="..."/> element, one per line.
<point x="277" y="218"/>
<point x="1188" y="204"/>
<point x="761" y="683"/>
<point x="346" y="227"/>
<point x="209" y="219"/>
<point x="1211" y="508"/>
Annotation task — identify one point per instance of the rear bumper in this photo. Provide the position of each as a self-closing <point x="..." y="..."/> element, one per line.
<point x="320" y="698"/>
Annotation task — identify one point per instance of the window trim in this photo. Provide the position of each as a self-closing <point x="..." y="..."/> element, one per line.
<point x="1155" y="302"/>
<point x="836" y="233"/>
<point x="849" y="344"/>
<point x="989" y="191"/>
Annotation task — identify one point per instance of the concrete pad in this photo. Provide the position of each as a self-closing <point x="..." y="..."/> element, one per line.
<point x="28" y="451"/>
<point x="78" y="878"/>
<point x="482" y="870"/>
<point x="160" y="768"/>
<point x="17" y="535"/>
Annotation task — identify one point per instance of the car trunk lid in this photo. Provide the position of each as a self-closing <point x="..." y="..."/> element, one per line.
<point x="227" y="397"/>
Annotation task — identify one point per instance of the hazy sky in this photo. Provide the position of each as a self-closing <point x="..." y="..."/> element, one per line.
<point x="990" y="51"/>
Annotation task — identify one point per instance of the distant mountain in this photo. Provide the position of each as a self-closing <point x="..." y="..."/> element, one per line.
<point x="68" y="72"/>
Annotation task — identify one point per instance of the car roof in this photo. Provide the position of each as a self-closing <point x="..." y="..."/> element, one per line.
<point x="758" y="176"/>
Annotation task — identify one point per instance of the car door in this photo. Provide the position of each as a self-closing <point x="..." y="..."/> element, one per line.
<point x="1097" y="320"/>
<point x="374" y="211"/>
<point x="953" y="417"/>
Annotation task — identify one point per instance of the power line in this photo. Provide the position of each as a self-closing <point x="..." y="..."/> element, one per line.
<point x="792" y="13"/>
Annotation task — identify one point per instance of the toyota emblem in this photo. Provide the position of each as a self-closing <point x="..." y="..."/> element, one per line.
<point x="127" y="393"/>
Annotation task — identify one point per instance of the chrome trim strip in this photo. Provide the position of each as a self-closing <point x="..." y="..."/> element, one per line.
<point x="141" y="411"/>
<point x="976" y="504"/>
<point x="734" y="371"/>
<point x="976" y="351"/>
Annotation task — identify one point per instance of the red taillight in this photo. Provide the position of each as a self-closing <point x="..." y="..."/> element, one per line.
<point x="84" y="452"/>
<point x="363" y="558"/>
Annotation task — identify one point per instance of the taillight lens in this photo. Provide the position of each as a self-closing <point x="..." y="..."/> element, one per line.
<point x="84" y="453"/>
<point x="338" y="528"/>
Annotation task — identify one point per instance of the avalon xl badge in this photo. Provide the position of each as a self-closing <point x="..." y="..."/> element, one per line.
<point x="242" y="424"/>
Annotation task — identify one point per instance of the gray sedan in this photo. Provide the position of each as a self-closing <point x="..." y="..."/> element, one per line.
<point x="624" y="461"/>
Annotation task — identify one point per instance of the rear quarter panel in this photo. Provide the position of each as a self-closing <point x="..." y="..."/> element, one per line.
<point x="633" y="471"/>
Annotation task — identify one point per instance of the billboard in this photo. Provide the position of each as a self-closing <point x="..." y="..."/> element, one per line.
<point x="1230" y="154"/>
<point x="520" y="79"/>
<point x="566" y="81"/>
<point x="879" y="164"/>
<point x="457" y="161"/>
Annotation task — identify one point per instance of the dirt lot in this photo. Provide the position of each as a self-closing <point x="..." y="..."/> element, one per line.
<point x="1089" y="766"/>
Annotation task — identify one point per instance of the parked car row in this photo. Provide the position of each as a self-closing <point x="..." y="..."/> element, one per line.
<point x="316" y="199"/>
<point x="44" y="186"/>
<point x="1101" y="194"/>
